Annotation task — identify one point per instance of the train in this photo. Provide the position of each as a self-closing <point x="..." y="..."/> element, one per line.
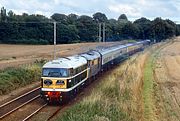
<point x="63" y="78"/>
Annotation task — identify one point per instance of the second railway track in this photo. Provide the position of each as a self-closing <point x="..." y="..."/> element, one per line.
<point x="16" y="103"/>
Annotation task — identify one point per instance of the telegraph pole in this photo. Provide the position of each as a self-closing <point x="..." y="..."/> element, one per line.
<point x="103" y="32"/>
<point x="54" y="40"/>
<point x="99" y="32"/>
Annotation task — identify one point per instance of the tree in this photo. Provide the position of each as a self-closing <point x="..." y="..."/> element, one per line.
<point x="130" y="31"/>
<point x="3" y="15"/>
<point x="73" y="34"/>
<point x="170" y="28"/>
<point x="144" y="26"/>
<point x="11" y="16"/>
<point x="100" y="17"/>
<point x="38" y="29"/>
<point x="158" y="26"/>
<point x="60" y="18"/>
<point x="87" y="28"/>
<point x="112" y="24"/>
<point x="177" y="30"/>
<point x="72" y="18"/>
<point x="123" y="17"/>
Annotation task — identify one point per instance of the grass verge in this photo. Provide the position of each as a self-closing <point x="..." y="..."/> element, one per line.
<point x="148" y="90"/>
<point x="15" y="77"/>
<point x="150" y="87"/>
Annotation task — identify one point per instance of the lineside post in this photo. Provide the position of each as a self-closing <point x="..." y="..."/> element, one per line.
<point x="54" y="40"/>
<point x="103" y="32"/>
<point x="99" y="32"/>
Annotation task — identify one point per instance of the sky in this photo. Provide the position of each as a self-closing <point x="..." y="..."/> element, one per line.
<point x="134" y="9"/>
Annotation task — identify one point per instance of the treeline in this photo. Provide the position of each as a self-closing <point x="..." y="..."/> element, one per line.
<point x="38" y="29"/>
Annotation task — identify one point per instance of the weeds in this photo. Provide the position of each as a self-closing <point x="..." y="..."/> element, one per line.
<point x="15" y="77"/>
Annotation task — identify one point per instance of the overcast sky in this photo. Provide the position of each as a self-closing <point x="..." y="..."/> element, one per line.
<point x="112" y="8"/>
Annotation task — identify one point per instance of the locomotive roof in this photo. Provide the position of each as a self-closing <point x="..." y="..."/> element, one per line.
<point x="66" y="62"/>
<point x="91" y="55"/>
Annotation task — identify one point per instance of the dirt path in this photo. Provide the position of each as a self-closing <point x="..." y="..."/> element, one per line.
<point x="167" y="73"/>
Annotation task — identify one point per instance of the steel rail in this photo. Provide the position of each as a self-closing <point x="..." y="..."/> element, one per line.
<point x="4" y="115"/>
<point x="32" y="114"/>
<point x="23" y="95"/>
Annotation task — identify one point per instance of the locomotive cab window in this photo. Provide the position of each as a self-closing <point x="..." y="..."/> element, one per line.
<point x="55" y="72"/>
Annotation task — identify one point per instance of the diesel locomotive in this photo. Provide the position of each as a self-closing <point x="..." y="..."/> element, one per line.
<point x="63" y="78"/>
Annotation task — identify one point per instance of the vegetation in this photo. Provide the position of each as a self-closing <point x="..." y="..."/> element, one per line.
<point x="38" y="29"/>
<point x="149" y="87"/>
<point x="15" y="77"/>
<point x="115" y="98"/>
<point x="102" y="104"/>
<point x="148" y="91"/>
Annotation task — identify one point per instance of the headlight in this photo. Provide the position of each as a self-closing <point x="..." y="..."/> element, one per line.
<point x="47" y="82"/>
<point x="60" y="82"/>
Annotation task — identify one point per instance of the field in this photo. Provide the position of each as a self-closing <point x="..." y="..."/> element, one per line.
<point x="14" y="55"/>
<point x="167" y="77"/>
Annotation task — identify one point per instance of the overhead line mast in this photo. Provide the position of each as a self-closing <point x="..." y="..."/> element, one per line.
<point x="104" y="32"/>
<point x="99" y="32"/>
<point x="54" y="40"/>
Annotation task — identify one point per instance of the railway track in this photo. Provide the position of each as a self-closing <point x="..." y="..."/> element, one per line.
<point x="34" y="113"/>
<point x="45" y="107"/>
<point x="21" y="101"/>
<point x="15" y="104"/>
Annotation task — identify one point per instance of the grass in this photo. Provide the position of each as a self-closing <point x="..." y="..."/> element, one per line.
<point x="103" y="104"/>
<point x="148" y="90"/>
<point x="150" y="87"/>
<point x="113" y="99"/>
<point x="15" y="77"/>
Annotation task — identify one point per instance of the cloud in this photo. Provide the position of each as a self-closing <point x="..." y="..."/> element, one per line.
<point x="125" y="9"/>
<point x="43" y="13"/>
<point x="19" y="11"/>
<point x="112" y="8"/>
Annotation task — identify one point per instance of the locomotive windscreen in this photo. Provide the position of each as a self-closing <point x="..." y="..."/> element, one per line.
<point x="55" y="72"/>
